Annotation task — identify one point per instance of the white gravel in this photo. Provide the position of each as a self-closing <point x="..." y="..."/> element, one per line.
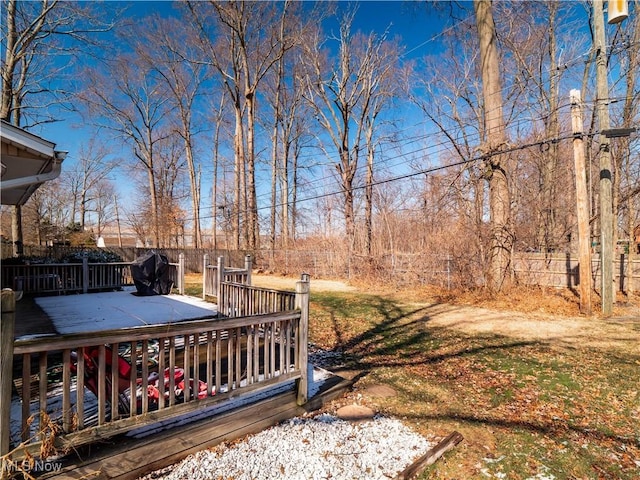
<point x="305" y="448"/>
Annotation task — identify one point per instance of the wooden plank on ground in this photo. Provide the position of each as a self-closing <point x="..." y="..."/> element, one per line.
<point x="429" y="458"/>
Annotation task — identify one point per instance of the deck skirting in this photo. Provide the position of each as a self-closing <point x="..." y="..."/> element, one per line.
<point x="126" y="458"/>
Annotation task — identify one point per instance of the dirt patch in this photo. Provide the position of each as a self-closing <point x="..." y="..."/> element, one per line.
<point x="574" y="331"/>
<point x="289" y="283"/>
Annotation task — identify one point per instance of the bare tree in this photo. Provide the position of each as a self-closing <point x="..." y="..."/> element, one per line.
<point x="169" y="189"/>
<point x="20" y="44"/>
<point x="86" y="176"/>
<point x="342" y="95"/>
<point x="133" y="105"/>
<point x="278" y="110"/>
<point x="290" y="118"/>
<point x="627" y="161"/>
<point x="247" y="49"/>
<point x="47" y="213"/>
<point x="218" y="121"/>
<point x="104" y="205"/>
<point x="381" y="84"/>
<point x="29" y="32"/>
<point x="164" y="46"/>
<point x="530" y="37"/>
<point x="448" y="91"/>
<point x="495" y="140"/>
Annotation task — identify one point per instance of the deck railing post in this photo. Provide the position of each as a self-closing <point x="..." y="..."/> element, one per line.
<point x="302" y="303"/>
<point x="85" y="273"/>
<point x="7" y="332"/>
<point x="181" y="273"/>
<point x="248" y="266"/>
<point x="205" y="264"/>
<point x="219" y="280"/>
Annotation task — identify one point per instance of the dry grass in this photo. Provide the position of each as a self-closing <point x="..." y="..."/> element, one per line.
<point x="524" y="299"/>
<point x="536" y="394"/>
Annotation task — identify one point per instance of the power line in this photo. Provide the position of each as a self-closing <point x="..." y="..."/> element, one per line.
<point x="432" y="147"/>
<point x="425" y="171"/>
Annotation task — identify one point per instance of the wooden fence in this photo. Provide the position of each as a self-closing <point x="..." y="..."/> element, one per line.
<point x="563" y="271"/>
<point x="215" y="359"/>
<point x="82" y="277"/>
<point x="192" y="257"/>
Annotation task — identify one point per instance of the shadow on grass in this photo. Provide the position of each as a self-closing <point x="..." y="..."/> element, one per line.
<point x="546" y="429"/>
<point x="393" y="336"/>
<point x="400" y="337"/>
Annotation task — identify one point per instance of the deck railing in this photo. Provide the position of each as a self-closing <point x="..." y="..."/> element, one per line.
<point x="68" y="386"/>
<point x="214" y="275"/>
<point x="77" y="277"/>
<point x="238" y="300"/>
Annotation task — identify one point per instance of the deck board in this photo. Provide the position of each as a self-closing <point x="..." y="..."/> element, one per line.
<point x="128" y="459"/>
<point x="120" y="309"/>
<point x="31" y="319"/>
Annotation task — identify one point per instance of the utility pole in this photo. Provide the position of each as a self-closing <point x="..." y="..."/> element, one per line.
<point x="115" y="202"/>
<point x="604" y="155"/>
<point x="582" y="202"/>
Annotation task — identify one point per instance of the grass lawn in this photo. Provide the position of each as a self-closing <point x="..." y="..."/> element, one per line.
<point x="529" y="406"/>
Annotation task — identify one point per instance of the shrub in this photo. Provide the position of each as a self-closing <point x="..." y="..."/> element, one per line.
<point x="93" y="256"/>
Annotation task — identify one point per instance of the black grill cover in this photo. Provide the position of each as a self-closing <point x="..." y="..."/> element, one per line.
<point x="150" y="274"/>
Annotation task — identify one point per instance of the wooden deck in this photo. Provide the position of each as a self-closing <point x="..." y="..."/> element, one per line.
<point x="126" y="458"/>
<point x="31" y="319"/>
<point x="263" y="340"/>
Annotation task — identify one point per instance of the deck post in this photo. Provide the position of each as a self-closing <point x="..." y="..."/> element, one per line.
<point x="7" y="332"/>
<point x="302" y="303"/>
<point x="85" y="273"/>
<point x="181" y="273"/>
<point x="205" y="264"/>
<point x="219" y="280"/>
<point x="248" y="267"/>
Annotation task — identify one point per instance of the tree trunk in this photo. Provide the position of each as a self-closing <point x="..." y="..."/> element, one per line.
<point x="195" y="188"/>
<point x="238" y="172"/>
<point x="550" y="240"/>
<point x="630" y="108"/>
<point x="294" y="194"/>
<point x="274" y="190"/>
<point x="216" y="161"/>
<point x="252" y="201"/>
<point x="368" y="208"/>
<point x="274" y="162"/>
<point x="9" y="67"/>
<point x="16" y="230"/>
<point x="499" y="199"/>
<point x="347" y="188"/>
<point x="154" y="204"/>
<point x="284" y="194"/>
